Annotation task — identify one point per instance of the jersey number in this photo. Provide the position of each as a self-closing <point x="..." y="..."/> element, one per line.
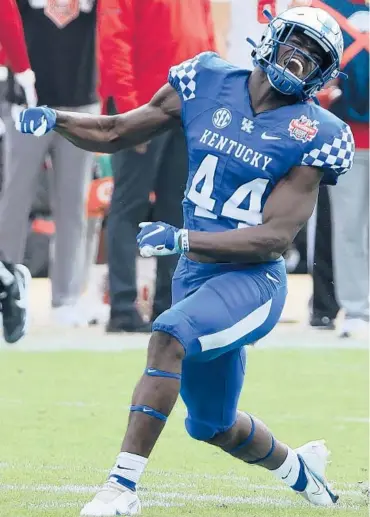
<point x="205" y="203"/>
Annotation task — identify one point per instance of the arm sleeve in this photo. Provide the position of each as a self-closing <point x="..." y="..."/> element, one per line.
<point x="116" y="32"/>
<point x="333" y="151"/>
<point x="12" y="37"/>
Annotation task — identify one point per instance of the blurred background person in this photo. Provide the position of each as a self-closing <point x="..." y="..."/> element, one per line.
<point x="344" y="284"/>
<point x="341" y="272"/>
<point x="13" y="51"/>
<point x="139" y="42"/>
<point x="323" y="305"/>
<point x="61" y="42"/>
<point x="350" y="204"/>
<point x="13" y="54"/>
<point x="14" y="278"/>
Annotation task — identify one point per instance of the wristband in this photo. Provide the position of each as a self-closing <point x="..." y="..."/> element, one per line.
<point x="182" y="241"/>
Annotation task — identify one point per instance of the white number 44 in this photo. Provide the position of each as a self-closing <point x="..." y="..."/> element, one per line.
<point x="205" y="203"/>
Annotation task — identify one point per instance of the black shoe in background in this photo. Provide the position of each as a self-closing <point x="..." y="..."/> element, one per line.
<point x="322" y="323"/>
<point x="127" y="323"/>
<point x="14" y="300"/>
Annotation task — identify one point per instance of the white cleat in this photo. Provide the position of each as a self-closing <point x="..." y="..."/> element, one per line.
<point x="112" y="500"/>
<point x="315" y="457"/>
<point x="69" y="316"/>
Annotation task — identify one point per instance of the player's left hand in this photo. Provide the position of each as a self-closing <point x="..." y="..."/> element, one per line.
<point x="158" y="239"/>
<point x="36" y="121"/>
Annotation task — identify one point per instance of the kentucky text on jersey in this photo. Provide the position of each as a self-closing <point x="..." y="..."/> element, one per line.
<point x="240" y="151"/>
<point x="237" y="157"/>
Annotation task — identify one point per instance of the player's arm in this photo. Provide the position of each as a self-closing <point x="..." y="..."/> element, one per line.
<point x="108" y="134"/>
<point x="287" y="209"/>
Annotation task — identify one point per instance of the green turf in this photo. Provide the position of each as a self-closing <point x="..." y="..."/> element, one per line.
<point x="63" y="415"/>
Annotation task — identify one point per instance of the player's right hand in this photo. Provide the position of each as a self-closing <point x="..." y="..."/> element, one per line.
<point x="36" y="121"/>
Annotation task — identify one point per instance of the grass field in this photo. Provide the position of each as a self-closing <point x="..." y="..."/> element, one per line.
<point x="63" y="415"/>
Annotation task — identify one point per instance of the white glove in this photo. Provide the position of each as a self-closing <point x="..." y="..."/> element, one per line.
<point x="26" y="80"/>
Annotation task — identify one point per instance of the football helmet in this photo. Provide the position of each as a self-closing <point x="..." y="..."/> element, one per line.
<point x="313" y="22"/>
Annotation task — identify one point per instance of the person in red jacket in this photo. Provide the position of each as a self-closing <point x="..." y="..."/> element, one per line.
<point x="12" y="41"/>
<point x="138" y="43"/>
<point x="15" y="278"/>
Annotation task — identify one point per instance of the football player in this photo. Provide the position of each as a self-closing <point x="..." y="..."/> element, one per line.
<point x="258" y="150"/>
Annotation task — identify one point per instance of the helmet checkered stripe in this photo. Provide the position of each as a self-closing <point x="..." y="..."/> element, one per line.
<point x="185" y="76"/>
<point x="338" y="155"/>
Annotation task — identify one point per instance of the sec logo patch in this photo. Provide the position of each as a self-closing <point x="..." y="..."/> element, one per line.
<point x="221" y="118"/>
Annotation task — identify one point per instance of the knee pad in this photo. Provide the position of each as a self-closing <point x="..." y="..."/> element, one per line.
<point x="199" y="430"/>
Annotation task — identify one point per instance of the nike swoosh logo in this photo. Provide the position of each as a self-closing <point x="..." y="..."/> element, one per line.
<point x="123" y="468"/>
<point x="146" y="410"/>
<point x="319" y="490"/>
<point x="284" y="477"/>
<point x="268" y="137"/>
<point x="272" y="278"/>
<point x="154" y="232"/>
<point x="151" y="370"/>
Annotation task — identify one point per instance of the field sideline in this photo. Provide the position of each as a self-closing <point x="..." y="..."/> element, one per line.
<point x="64" y="413"/>
<point x="63" y="403"/>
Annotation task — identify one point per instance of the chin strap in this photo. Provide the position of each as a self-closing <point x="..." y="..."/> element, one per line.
<point x="267" y="14"/>
<point x="251" y="42"/>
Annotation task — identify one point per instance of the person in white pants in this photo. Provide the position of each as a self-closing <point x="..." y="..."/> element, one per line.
<point x="350" y="210"/>
<point x="71" y="177"/>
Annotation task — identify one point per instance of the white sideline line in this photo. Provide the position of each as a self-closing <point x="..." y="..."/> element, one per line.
<point x="250" y="500"/>
<point x="150" y="503"/>
<point x="346" y="488"/>
<point x="238" y="479"/>
<point x="354" y="419"/>
<point x="247" y="487"/>
<point x="150" y="496"/>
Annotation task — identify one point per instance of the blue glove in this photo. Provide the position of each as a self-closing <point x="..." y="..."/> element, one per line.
<point x="36" y="121"/>
<point x="158" y="239"/>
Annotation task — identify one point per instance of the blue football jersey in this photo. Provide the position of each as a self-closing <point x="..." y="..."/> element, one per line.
<point x="237" y="157"/>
